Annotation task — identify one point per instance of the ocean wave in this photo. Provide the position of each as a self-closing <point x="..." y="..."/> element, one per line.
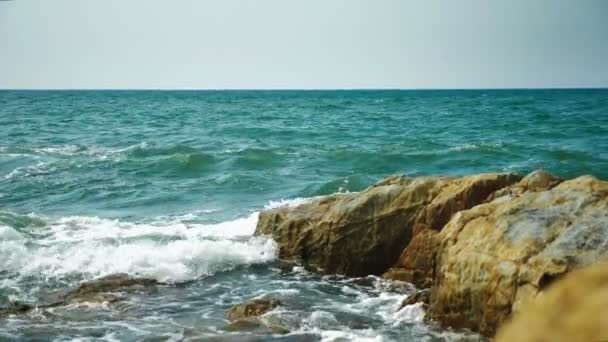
<point x="352" y="183"/>
<point x="290" y="203"/>
<point x="171" y="251"/>
<point x="167" y="248"/>
<point x="142" y="149"/>
<point x="477" y="146"/>
<point x="39" y="169"/>
<point x="174" y="159"/>
<point x="367" y="307"/>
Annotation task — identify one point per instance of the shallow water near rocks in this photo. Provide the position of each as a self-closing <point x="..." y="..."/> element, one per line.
<point x="167" y="185"/>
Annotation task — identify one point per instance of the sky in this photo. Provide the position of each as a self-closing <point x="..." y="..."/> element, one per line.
<point x="294" y="44"/>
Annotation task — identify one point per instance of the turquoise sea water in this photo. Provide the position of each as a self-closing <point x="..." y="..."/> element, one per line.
<point x="167" y="184"/>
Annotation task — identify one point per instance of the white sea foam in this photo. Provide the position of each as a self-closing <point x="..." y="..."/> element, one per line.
<point x="67" y="150"/>
<point x="368" y="335"/>
<point x="166" y="250"/>
<point x="100" y="152"/>
<point x="170" y="249"/>
<point x="290" y="203"/>
<point x="39" y="168"/>
<point x="411" y="313"/>
<point x="469" y="146"/>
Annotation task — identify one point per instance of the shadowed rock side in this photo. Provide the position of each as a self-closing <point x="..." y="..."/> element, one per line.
<point x="417" y="261"/>
<point x="574" y="309"/>
<point x="364" y="233"/>
<point x="496" y="256"/>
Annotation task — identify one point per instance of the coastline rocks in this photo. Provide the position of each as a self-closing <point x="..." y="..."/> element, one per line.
<point x="573" y="309"/>
<point x="493" y="258"/>
<point x="484" y="245"/>
<point x="365" y="233"/>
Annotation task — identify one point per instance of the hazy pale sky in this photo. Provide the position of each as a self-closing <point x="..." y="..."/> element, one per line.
<point x="303" y="44"/>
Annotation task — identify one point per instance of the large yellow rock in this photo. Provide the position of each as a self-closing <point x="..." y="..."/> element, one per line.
<point x="574" y="309"/>
<point x="364" y="233"/>
<point x="498" y="255"/>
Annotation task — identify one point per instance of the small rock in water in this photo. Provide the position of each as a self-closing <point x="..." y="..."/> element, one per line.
<point x="423" y="296"/>
<point x="252" y="308"/>
<point x="15" y="308"/>
<point x="246" y="317"/>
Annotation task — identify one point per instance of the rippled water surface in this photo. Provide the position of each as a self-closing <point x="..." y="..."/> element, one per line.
<point x="168" y="185"/>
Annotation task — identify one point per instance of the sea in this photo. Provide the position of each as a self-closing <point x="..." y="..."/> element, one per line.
<point x="168" y="185"/>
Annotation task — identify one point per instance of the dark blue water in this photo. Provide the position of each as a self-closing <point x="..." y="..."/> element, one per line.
<point x="167" y="185"/>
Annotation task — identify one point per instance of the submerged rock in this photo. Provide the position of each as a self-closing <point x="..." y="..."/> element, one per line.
<point x="100" y="290"/>
<point x="365" y="233"/>
<point x="573" y="309"/>
<point x="496" y="256"/>
<point x="15" y="308"/>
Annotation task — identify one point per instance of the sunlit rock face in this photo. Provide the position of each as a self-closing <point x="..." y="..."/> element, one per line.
<point x="574" y="308"/>
<point x="498" y="255"/>
<point x="365" y="233"/>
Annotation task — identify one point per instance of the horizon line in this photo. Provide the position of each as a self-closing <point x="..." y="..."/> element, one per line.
<point x="305" y="89"/>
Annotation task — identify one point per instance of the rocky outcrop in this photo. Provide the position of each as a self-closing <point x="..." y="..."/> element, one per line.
<point x="105" y="289"/>
<point x="492" y="258"/>
<point x="246" y="317"/>
<point x="416" y="263"/>
<point x="365" y="233"/>
<point x="574" y="309"/>
<point x="483" y="244"/>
